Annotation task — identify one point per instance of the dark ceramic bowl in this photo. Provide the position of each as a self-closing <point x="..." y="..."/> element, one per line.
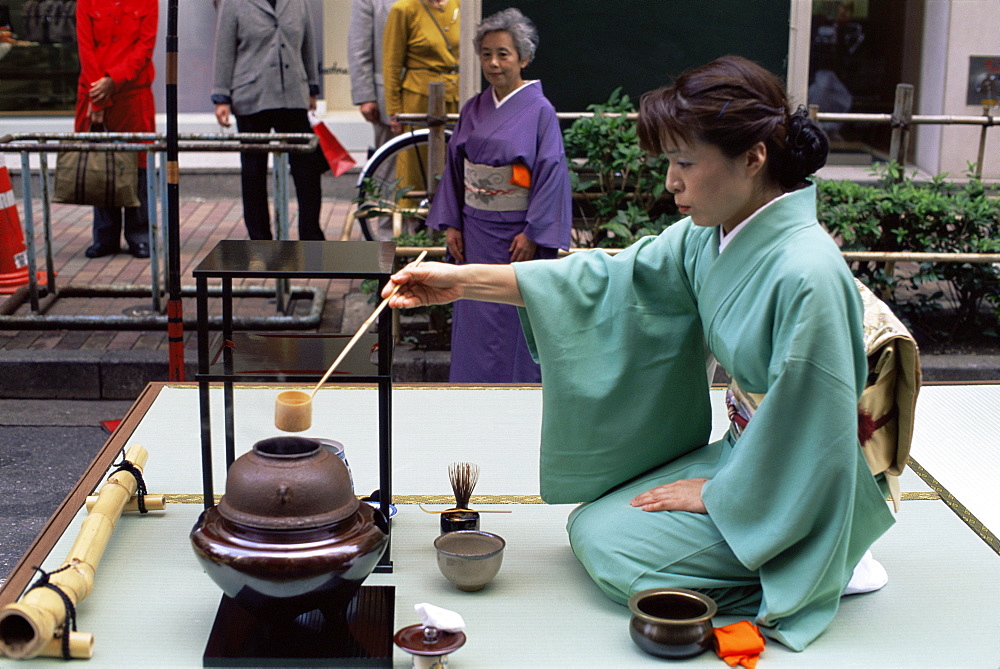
<point x="674" y="623"/>
<point x="453" y="520"/>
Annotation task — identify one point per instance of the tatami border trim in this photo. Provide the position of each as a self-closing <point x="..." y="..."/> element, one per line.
<point x="960" y="510"/>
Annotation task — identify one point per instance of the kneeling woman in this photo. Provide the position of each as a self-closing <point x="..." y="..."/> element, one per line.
<point x="770" y="520"/>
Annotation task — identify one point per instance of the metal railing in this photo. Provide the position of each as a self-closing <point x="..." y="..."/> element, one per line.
<point x="902" y="119"/>
<point x="154" y="146"/>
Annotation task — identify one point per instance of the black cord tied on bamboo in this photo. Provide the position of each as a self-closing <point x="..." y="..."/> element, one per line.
<point x="69" y="624"/>
<point x="140" y="484"/>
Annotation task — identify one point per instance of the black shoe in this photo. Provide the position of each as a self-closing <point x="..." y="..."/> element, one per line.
<point x="140" y="250"/>
<point x="99" y="251"/>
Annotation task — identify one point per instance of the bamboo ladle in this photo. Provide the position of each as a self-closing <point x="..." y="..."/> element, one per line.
<point x="293" y="408"/>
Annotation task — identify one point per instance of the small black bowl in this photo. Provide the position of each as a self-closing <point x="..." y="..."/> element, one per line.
<point x="674" y="623"/>
<point x="454" y="520"/>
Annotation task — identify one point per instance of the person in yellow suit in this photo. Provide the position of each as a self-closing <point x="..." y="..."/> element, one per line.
<point x="420" y="46"/>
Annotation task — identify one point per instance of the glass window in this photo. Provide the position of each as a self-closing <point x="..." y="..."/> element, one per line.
<point x="858" y="55"/>
<point x="39" y="64"/>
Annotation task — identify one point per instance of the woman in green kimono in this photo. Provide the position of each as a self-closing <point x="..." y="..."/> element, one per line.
<point x="772" y="519"/>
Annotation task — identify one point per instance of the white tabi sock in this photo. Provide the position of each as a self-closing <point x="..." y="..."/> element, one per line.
<point x="868" y="576"/>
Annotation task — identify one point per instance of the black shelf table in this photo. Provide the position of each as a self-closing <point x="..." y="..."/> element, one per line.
<point x="291" y="357"/>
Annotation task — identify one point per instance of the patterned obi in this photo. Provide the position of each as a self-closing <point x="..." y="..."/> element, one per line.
<point x="741" y="407"/>
<point x="490" y="189"/>
<point x="888" y="401"/>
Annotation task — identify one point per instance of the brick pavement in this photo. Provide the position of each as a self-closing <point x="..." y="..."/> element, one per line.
<point x="203" y="222"/>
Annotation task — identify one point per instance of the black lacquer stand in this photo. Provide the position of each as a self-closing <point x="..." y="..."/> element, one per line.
<point x="298" y="358"/>
<point x="362" y="639"/>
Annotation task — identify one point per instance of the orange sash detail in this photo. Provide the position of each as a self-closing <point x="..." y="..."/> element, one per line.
<point x="521" y="175"/>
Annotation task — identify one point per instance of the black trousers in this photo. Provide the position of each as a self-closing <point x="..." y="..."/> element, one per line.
<point x="306" y="172"/>
<point x="108" y="221"/>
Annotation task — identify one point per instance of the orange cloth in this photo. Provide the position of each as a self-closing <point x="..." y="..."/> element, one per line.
<point x="739" y="643"/>
<point x="520" y="176"/>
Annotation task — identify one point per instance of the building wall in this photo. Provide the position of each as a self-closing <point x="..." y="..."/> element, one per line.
<point x="930" y="87"/>
<point x="196" y="51"/>
<point x="195" y="56"/>
<point x="336" y="77"/>
<point x="954" y="31"/>
<point x="637" y="45"/>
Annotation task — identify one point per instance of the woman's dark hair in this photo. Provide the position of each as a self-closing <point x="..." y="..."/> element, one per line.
<point x="733" y="103"/>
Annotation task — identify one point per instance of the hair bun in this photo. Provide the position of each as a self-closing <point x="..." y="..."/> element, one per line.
<point x="806" y="149"/>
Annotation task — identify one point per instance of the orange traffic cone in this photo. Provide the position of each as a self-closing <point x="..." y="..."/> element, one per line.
<point x="13" y="253"/>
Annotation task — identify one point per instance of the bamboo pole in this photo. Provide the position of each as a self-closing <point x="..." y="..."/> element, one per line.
<point x="906" y="256"/>
<point x="849" y="256"/>
<point x="436" y="145"/>
<point x="843" y="117"/>
<point x="982" y="141"/>
<point x="27" y="626"/>
<point x="152" y="502"/>
<point x="902" y="117"/>
<point x="81" y="646"/>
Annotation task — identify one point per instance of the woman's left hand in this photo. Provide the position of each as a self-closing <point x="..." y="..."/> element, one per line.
<point x="683" y="495"/>
<point x="312" y="103"/>
<point x="456" y="244"/>
<point x="101" y="89"/>
<point x="522" y="248"/>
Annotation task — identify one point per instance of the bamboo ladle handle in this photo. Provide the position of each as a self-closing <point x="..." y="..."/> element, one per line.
<point x="293" y="408"/>
<point x="361" y="331"/>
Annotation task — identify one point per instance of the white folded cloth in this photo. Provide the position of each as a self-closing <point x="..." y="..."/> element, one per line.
<point x="868" y="576"/>
<point x="442" y="619"/>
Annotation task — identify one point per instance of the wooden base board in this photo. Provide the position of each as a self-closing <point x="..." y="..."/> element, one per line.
<point x="240" y="639"/>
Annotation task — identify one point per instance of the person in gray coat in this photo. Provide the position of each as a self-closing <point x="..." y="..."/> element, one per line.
<point x="267" y="76"/>
<point x="364" y="59"/>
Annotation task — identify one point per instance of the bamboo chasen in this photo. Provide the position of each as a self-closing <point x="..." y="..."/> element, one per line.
<point x="28" y="626"/>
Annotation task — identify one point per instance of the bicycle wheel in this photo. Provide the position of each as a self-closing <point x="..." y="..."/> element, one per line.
<point x="379" y="192"/>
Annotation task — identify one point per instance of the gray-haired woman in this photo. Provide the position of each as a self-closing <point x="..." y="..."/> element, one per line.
<point x="519" y="27"/>
<point x="504" y="197"/>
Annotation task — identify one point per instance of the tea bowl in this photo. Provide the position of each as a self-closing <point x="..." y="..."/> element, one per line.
<point x="674" y="623"/>
<point x="469" y="558"/>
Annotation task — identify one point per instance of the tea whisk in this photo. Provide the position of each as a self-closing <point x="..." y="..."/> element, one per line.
<point x="463" y="476"/>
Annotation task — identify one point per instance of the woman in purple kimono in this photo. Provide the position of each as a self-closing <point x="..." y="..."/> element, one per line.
<point x="504" y="197"/>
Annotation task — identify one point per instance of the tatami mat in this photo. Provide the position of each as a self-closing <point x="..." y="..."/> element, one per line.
<point x="497" y="428"/>
<point x="956" y="441"/>
<point x="153" y="606"/>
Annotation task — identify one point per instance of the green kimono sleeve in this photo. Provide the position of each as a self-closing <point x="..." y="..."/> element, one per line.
<point x="623" y="365"/>
<point x="796" y="500"/>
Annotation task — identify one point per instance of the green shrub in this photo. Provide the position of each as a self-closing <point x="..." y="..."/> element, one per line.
<point x="900" y="214"/>
<point x="622" y="187"/>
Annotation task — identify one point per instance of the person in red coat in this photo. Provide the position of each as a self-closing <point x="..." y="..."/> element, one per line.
<point x="115" y="40"/>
